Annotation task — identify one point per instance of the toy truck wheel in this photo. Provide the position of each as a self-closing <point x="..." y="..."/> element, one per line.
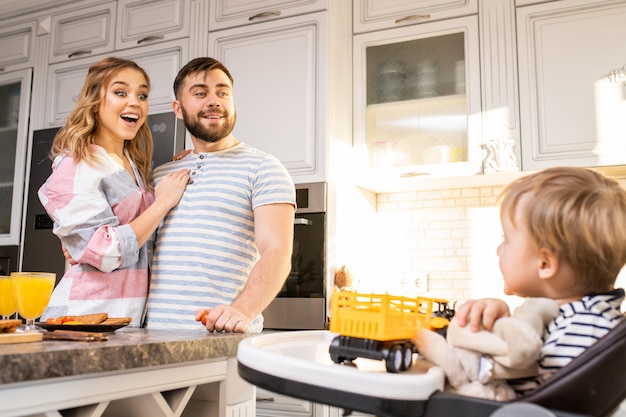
<point x="407" y="358"/>
<point x="395" y="359"/>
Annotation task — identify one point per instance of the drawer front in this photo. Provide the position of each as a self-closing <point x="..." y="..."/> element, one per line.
<point x="146" y="21"/>
<point x="81" y="33"/>
<point x="15" y="46"/>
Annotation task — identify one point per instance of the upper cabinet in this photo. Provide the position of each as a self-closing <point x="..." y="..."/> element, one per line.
<point x="142" y="22"/>
<point x="572" y="113"/>
<point x="117" y="25"/>
<point x="162" y="63"/>
<point x="279" y="69"/>
<point x="370" y="15"/>
<point x="16" y="46"/>
<point x="417" y="100"/>
<point x="83" y="32"/>
<point x="231" y="13"/>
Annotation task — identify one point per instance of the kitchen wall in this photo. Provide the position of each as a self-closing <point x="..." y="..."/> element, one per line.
<point x="446" y="239"/>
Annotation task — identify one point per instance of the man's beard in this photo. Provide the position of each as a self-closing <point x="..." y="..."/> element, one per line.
<point x="210" y="135"/>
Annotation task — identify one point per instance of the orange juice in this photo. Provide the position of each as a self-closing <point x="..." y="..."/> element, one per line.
<point x="32" y="291"/>
<point x="7" y="304"/>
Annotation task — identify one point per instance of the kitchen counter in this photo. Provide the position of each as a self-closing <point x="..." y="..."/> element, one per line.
<point x="142" y="372"/>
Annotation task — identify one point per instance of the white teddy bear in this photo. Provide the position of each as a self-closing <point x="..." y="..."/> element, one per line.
<point x="478" y="364"/>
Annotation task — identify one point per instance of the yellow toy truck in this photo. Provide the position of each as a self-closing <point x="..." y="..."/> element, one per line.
<point x="380" y="326"/>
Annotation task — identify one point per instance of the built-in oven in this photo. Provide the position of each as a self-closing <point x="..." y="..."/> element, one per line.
<point x="301" y="303"/>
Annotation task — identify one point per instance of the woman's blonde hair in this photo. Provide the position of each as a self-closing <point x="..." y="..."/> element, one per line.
<point x="579" y="215"/>
<point x="79" y="131"/>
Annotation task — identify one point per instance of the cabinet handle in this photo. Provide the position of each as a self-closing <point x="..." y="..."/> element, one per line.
<point x="79" y="53"/>
<point x="305" y="222"/>
<point x="2" y="69"/>
<point x="265" y="399"/>
<point x="413" y="17"/>
<point x="263" y="15"/>
<point x="150" y="39"/>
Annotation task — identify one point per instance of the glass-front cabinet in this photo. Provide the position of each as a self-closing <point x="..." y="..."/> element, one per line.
<point x="417" y="100"/>
<point x="14" y="107"/>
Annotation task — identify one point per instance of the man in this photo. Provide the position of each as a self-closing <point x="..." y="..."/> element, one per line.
<point x="226" y="248"/>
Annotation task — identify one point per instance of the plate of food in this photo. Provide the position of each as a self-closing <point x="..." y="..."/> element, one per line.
<point x="98" y="322"/>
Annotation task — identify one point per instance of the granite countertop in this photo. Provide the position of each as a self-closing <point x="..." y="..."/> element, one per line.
<point x="125" y="349"/>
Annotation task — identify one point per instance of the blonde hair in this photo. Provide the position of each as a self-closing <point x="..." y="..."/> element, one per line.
<point x="79" y="131"/>
<point x="579" y="215"/>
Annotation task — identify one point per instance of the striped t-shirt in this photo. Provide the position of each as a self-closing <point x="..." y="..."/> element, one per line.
<point x="578" y="326"/>
<point x="205" y="247"/>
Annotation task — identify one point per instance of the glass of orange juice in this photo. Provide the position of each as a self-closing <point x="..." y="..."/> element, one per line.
<point x="7" y="303"/>
<point x="32" y="291"/>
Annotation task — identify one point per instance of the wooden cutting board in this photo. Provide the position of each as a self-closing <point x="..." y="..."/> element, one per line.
<point x="20" y="337"/>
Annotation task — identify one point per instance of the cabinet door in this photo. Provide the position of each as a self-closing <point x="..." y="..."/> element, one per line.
<point x="417" y="101"/>
<point x="141" y="22"/>
<point x="230" y="13"/>
<point x="161" y="62"/>
<point x="14" y="110"/>
<point x="372" y="15"/>
<point x="16" y="46"/>
<point x="83" y="32"/>
<point x="571" y="113"/>
<point x="271" y="404"/>
<point x="279" y="69"/>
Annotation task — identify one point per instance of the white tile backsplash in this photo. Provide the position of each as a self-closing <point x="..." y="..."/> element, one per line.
<point x="447" y="236"/>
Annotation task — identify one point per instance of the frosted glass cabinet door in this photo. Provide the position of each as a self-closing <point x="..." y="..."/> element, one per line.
<point x="417" y="99"/>
<point x="14" y="107"/>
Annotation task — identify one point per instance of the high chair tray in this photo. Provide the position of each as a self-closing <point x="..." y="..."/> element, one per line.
<point x="298" y="364"/>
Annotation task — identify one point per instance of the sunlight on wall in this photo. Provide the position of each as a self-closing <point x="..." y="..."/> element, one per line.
<point x="610" y="107"/>
<point x="448" y="236"/>
<point x="485" y="236"/>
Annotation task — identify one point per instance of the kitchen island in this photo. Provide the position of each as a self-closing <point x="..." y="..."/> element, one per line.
<point x="136" y="372"/>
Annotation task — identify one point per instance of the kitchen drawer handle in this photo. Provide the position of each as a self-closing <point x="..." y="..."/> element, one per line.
<point x="305" y="222"/>
<point x="265" y="399"/>
<point x="263" y="15"/>
<point x="151" y="38"/>
<point x="413" y="17"/>
<point x="80" y="53"/>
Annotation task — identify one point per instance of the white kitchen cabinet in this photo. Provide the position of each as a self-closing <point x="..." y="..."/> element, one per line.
<point x="270" y="404"/>
<point x="15" y="89"/>
<point x="571" y="113"/>
<point x="16" y="46"/>
<point x="142" y="22"/>
<point x="231" y="13"/>
<point x="83" y="32"/>
<point x="370" y="15"/>
<point x="417" y="101"/>
<point x="161" y="61"/>
<point x="527" y="2"/>
<point x="279" y="71"/>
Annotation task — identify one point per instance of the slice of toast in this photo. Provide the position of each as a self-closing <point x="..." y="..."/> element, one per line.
<point x="117" y="320"/>
<point x="96" y="318"/>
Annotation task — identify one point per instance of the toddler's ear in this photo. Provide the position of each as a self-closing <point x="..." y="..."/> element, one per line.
<point x="549" y="264"/>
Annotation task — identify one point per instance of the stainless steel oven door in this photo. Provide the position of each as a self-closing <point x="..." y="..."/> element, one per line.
<point x="301" y="303"/>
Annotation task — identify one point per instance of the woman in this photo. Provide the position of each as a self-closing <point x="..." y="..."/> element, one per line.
<point x="101" y="198"/>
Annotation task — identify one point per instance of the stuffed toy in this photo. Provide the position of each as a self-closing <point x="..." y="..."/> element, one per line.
<point x="478" y="364"/>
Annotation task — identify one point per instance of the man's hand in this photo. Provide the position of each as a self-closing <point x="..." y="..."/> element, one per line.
<point x="484" y="311"/>
<point x="223" y="318"/>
